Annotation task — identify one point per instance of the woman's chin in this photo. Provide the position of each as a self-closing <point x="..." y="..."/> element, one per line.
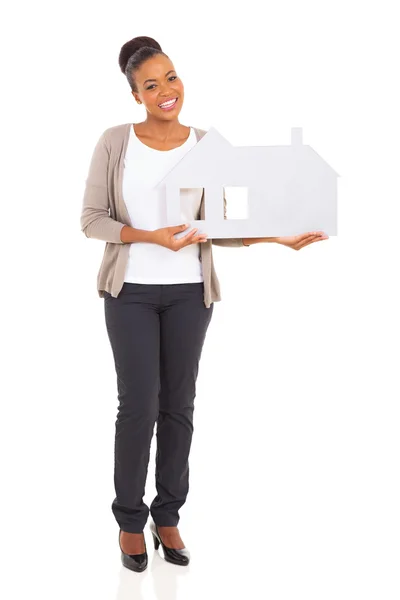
<point x="170" y="115"/>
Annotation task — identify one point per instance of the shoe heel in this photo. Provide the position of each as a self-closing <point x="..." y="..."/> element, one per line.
<point x="156" y="541"/>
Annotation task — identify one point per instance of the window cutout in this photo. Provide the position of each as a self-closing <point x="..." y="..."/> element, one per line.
<point x="189" y="203"/>
<point x="237" y="202"/>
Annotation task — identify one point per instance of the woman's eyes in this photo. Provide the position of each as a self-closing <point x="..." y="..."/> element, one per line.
<point x="172" y="77"/>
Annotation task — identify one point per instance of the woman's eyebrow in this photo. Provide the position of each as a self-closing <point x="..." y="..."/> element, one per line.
<point x="166" y="75"/>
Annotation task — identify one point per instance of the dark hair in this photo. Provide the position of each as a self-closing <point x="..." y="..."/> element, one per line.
<point x="134" y="53"/>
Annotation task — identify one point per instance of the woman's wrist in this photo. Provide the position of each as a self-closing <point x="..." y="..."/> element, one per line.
<point x="129" y="235"/>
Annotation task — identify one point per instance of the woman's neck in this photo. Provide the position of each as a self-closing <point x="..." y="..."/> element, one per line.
<point x="161" y="130"/>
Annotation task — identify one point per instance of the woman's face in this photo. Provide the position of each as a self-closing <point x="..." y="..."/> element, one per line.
<point x="157" y="81"/>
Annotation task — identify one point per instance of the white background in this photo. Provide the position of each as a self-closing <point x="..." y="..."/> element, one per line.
<point x="294" y="486"/>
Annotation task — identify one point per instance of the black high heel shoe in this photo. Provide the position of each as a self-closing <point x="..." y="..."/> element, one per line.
<point x="178" y="557"/>
<point x="134" y="562"/>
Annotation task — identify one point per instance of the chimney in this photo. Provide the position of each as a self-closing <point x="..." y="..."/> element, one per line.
<point x="297" y="136"/>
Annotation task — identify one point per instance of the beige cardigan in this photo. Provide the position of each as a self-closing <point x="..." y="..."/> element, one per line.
<point x="104" y="213"/>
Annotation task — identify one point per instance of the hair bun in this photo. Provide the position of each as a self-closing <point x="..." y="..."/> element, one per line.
<point x="133" y="46"/>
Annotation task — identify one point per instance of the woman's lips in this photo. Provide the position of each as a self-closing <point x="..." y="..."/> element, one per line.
<point x="169" y="106"/>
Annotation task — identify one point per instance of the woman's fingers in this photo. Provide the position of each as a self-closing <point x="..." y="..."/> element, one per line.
<point x="198" y="238"/>
<point x="303" y="244"/>
<point x="310" y="240"/>
<point x="188" y="235"/>
<point x="184" y="240"/>
<point x="190" y="238"/>
<point x="303" y="239"/>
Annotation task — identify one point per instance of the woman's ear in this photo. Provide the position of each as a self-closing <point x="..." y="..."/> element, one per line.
<point x="136" y="97"/>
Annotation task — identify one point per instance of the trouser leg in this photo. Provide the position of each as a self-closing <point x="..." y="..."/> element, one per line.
<point x="133" y="328"/>
<point x="184" y="320"/>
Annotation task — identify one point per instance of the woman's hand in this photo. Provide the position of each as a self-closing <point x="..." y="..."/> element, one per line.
<point x="303" y="239"/>
<point x="165" y="237"/>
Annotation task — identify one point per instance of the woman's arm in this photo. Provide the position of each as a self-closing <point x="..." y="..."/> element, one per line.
<point x="250" y="241"/>
<point x="95" y="219"/>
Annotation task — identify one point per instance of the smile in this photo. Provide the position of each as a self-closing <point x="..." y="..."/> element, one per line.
<point x="168" y="105"/>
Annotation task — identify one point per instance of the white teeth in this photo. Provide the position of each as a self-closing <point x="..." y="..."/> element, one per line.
<point x="168" y="103"/>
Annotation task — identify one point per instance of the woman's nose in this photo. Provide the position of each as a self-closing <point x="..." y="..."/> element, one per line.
<point x="165" y="91"/>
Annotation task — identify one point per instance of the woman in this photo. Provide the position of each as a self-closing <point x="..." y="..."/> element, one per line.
<point x="158" y="292"/>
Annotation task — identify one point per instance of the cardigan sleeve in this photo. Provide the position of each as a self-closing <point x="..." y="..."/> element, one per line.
<point x="233" y="242"/>
<point x="95" y="219"/>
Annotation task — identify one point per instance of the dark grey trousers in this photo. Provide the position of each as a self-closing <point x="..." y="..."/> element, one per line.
<point x="156" y="334"/>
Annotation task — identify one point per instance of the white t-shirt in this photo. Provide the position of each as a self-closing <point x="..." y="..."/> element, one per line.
<point x="144" y="168"/>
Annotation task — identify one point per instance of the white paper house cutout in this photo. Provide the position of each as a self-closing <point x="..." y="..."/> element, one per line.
<point x="291" y="189"/>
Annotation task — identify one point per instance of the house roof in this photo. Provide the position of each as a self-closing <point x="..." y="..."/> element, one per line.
<point x="214" y="154"/>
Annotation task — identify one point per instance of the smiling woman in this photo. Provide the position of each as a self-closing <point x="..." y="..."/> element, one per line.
<point x="159" y="293"/>
<point x="154" y="82"/>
